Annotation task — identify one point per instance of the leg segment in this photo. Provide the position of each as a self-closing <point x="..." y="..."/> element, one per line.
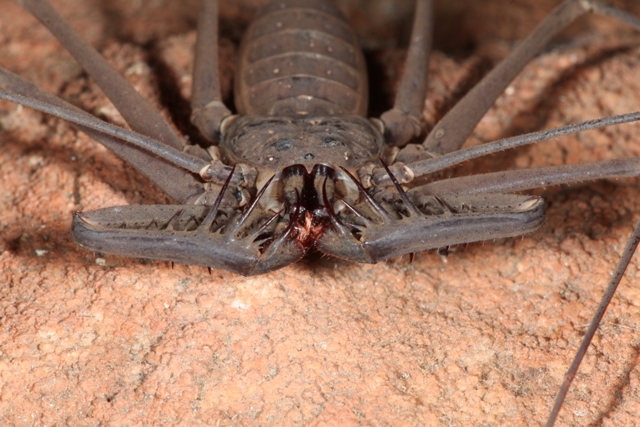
<point x="135" y="109"/>
<point x="406" y="173"/>
<point x="170" y="169"/>
<point x="628" y="252"/>
<point x="404" y="121"/>
<point x="454" y="128"/>
<point x="526" y="179"/>
<point x="208" y="111"/>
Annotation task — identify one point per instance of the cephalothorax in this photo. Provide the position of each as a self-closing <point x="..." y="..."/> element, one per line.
<point x="299" y="165"/>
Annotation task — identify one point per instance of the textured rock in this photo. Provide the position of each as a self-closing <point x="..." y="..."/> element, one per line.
<point x="482" y="337"/>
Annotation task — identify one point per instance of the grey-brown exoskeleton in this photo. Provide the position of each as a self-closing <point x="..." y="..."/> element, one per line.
<point x="299" y="165"/>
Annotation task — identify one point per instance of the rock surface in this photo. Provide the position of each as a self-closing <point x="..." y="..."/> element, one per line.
<point x="482" y="337"/>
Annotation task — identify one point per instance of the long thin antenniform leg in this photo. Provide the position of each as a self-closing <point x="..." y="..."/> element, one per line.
<point x="454" y="128"/>
<point x="527" y="179"/>
<point x="208" y="111"/>
<point x="406" y="173"/>
<point x="630" y="249"/>
<point x="88" y="122"/>
<point x="403" y="121"/>
<point x="169" y="168"/>
<point x="135" y="109"/>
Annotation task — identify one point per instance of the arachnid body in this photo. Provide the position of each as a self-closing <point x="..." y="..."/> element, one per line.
<point x="300" y="166"/>
<point x="400" y="374"/>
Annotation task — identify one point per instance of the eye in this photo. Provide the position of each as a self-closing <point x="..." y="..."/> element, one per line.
<point x="283" y="144"/>
<point x="332" y="142"/>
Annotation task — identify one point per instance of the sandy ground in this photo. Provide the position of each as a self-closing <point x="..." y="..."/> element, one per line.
<point x="482" y="337"/>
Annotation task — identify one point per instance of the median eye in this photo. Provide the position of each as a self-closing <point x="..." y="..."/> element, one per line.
<point x="283" y="144"/>
<point x="332" y="142"/>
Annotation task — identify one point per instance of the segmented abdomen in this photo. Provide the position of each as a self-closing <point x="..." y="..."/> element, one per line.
<point x="300" y="57"/>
